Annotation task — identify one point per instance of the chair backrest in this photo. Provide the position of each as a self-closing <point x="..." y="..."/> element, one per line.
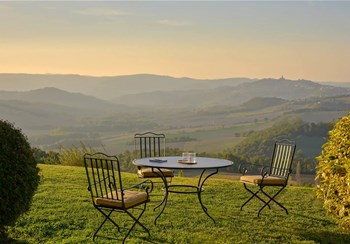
<point x="149" y="144"/>
<point x="103" y="175"/>
<point x="282" y="159"/>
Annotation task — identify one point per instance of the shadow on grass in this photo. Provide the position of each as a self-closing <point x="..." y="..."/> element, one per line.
<point x="6" y="240"/>
<point x="323" y="221"/>
<point x="326" y="237"/>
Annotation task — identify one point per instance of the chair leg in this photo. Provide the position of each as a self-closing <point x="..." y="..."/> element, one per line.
<point x="136" y="221"/>
<point x="273" y="199"/>
<point x="107" y="217"/>
<point x="254" y="194"/>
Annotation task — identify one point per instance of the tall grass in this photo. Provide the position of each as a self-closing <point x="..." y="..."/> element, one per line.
<point x="62" y="213"/>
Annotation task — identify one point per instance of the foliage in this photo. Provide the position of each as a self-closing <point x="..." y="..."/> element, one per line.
<point x="334" y="172"/>
<point x="44" y="157"/>
<point x="62" y="212"/>
<point x="52" y="158"/>
<point x="39" y="155"/>
<point x="257" y="147"/>
<point x="19" y="175"/>
<point x="74" y="155"/>
<point x="180" y="139"/>
<point x="125" y="160"/>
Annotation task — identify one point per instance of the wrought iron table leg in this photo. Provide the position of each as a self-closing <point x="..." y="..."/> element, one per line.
<point x="166" y="193"/>
<point x="160" y="204"/>
<point x="165" y="200"/>
<point x="200" y="189"/>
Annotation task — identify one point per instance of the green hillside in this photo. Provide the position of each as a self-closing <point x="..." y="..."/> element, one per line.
<point x="62" y="213"/>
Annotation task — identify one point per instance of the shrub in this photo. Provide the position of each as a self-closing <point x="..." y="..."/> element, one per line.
<point x="19" y="175"/>
<point x="334" y="172"/>
<point x="52" y="158"/>
<point x="43" y="157"/>
<point x="39" y="155"/>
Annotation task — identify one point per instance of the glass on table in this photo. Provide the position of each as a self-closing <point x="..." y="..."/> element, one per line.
<point x="192" y="157"/>
<point x="189" y="157"/>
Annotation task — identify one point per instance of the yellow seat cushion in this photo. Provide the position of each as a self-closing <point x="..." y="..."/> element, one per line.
<point x="131" y="198"/>
<point x="268" y="181"/>
<point x="148" y="173"/>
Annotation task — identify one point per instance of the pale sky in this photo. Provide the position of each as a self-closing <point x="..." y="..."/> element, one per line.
<point x="211" y="39"/>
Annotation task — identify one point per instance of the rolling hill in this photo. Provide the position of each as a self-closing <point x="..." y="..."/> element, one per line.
<point x="227" y="105"/>
<point x="40" y="111"/>
<point x="59" y="97"/>
<point x="48" y="108"/>
<point x="225" y="95"/>
<point x="109" y="87"/>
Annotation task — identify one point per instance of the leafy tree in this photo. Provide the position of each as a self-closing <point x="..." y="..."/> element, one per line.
<point x="52" y="158"/>
<point x="39" y="155"/>
<point x="334" y="172"/>
<point x="125" y="160"/>
<point x="19" y="175"/>
<point x="43" y="157"/>
<point x="257" y="147"/>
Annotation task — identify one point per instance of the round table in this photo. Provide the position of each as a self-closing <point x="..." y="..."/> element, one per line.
<point x="202" y="163"/>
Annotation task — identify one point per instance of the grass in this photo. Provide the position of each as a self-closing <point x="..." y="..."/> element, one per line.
<point x="62" y="213"/>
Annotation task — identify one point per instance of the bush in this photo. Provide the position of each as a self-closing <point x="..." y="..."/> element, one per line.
<point x="18" y="174"/>
<point x="52" y="158"/>
<point x="334" y="172"/>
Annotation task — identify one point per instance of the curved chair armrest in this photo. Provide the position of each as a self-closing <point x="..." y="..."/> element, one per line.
<point x="242" y="168"/>
<point x="264" y="171"/>
<point x="142" y="185"/>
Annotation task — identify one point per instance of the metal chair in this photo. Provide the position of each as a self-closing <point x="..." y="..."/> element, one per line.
<point x="275" y="175"/>
<point x="147" y="145"/>
<point x="107" y="193"/>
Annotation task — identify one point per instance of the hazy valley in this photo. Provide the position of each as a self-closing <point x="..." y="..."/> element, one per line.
<point x="200" y="115"/>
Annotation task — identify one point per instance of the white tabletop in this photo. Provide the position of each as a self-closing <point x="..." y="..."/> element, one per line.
<point x="172" y="163"/>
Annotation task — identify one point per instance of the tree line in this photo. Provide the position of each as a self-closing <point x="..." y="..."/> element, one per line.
<point x="256" y="148"/>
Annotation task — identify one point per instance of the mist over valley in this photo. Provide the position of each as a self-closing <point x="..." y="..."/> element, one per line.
<point x="65" y="110"/>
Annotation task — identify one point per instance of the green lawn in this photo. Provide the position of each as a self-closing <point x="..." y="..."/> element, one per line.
<point x="62" y="213"/>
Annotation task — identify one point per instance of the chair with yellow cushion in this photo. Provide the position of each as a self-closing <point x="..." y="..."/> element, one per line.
<point x="275" y="175"/>
<point x="149" y="145"/>
<point x="108" y="195"/>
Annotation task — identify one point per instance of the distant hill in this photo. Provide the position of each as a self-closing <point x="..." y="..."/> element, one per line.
<point x="52" y="107"/>
<point x="56" y="96"/>
<point x="290" y="89"/>
<point x="45" y="111"/>
<point x="337" y="84"/>
<point x="108" y="87"/>
<point x="31" y="115"/>
<point x="151" y="90"/>
<point x="225" y="95"/>
<point x="262" y="102"/>
<point x="224" y="102"/>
